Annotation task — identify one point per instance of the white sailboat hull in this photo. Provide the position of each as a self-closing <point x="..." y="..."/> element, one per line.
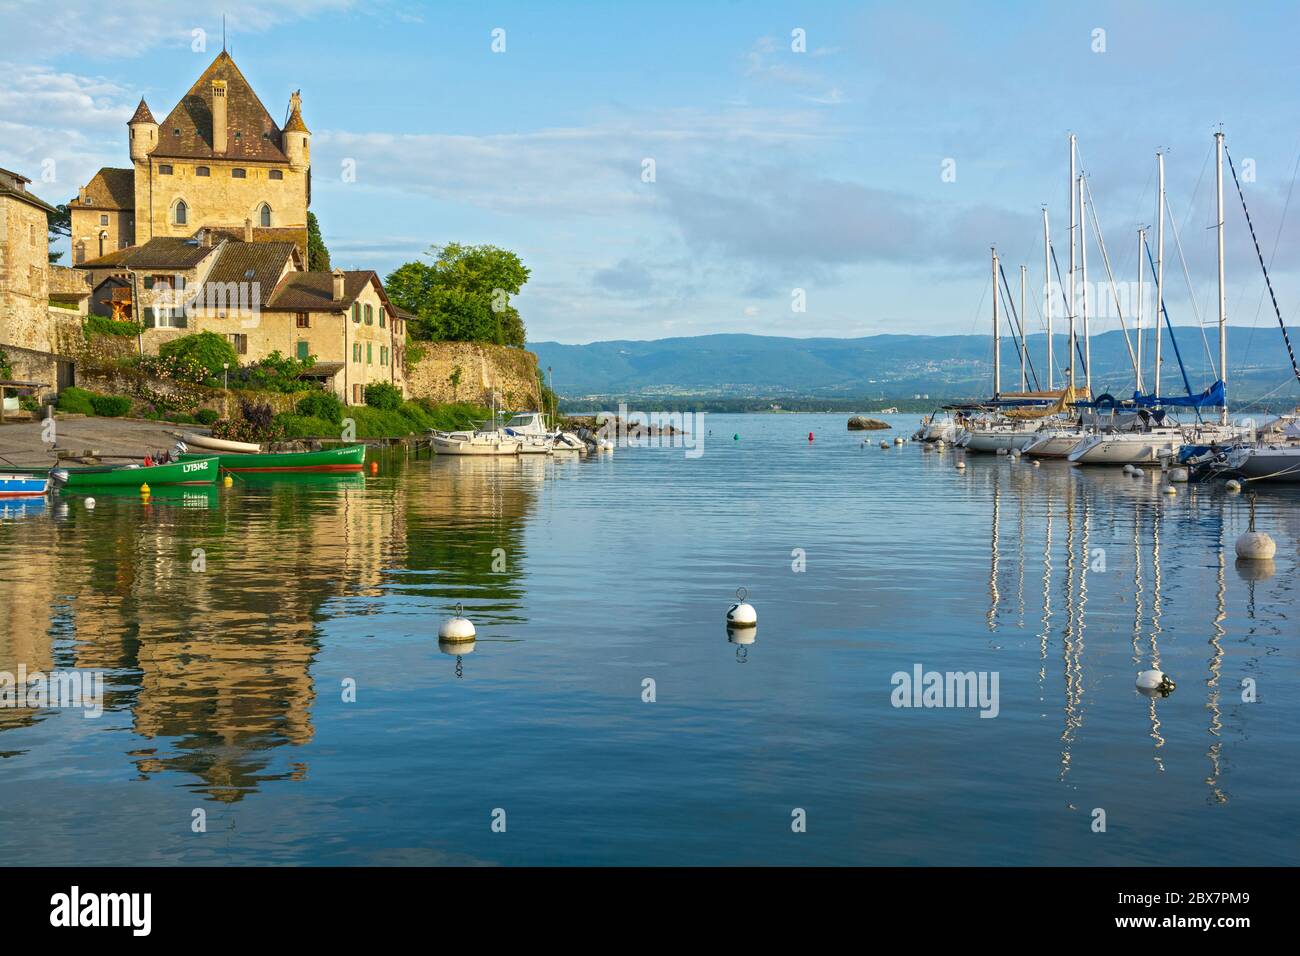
<point x="998" y="439"/>
<point x="463" y="443"/>
<point x="1281" y="463"/>
<point x="1054" y="444"/>
<point x="1126" y="448"/>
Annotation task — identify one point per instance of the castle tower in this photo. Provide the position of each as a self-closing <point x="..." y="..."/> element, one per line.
<point x="297" y="137"/>
<point x="144" y="132"/>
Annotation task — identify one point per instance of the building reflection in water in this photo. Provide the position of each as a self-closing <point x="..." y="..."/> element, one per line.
<point x="213" y="659"/>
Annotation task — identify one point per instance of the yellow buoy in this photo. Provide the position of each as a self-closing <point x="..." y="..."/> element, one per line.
<point x="227" y="481"/>
<point x="144" y="489"/>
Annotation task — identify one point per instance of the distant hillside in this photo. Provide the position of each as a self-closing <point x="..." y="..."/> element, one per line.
<point x="886" y="366"/>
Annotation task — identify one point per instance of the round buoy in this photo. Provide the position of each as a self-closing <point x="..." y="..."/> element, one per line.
<point x="1037" y="462"/>
<point x="884" y="445"/>
<point x="90" y="503"/>
<point x="1233" y="485"/>
<point x="961" y="465"/>
<point x="1256" y="546"/>
<point x="144" y="490"/>
<point x="741" y="614"/>
<point x="1138" y="473"/>
<point x="456" y="629"/>
<point x="1169" y="490"/>
<point x="898" y="441"/>
<point x="374" y="467"/>
<point x="1128" y="469"/>
<point x="1155" y="680"/>
<point x="227" y="481"/>
<point x="735" y="437"/>
<point x="456" y="648"/>
<point x="1178" y="474"/>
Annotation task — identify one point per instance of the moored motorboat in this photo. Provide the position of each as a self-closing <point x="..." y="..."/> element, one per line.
<point x="24" y="484"/>
<point x="474" y="443"/>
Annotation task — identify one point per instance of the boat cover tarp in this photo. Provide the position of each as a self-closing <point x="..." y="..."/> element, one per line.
<point x="1046" y="403"/>
<point x="1214" y="396"/>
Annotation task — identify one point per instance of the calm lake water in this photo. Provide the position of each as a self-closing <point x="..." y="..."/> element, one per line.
<point x="224" y="686"/>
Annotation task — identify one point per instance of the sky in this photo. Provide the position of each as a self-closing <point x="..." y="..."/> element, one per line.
<point x="859" y="159"/>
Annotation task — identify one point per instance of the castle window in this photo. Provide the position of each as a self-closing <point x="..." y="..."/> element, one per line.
<point x="176" y="131"/>
<point x="238" y="135"/>
<point x="264" y="215"/>
<point x="239" y="173"/>
<point x="302" y="320"/>
<point x="276" y="174"/>
<point x="239" y="341"/>
<point x="103" y="220"/>
<point x="181" y="212"/>
<point x="164" y="170"/>
<point x="202" y="171"/>
<point x="356" y="312"/>
<point x="370" y="315"/>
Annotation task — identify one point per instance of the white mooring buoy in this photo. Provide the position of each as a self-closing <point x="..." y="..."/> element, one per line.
<point x="1233" y="485"/>
<point x="1138" y="473"/>
<point x="1155" y="680"/>
<point x="456" y="629"/>
<point x="741" y="614"/>
<point x="1178" y="474"/>
<point x="90" y="503"/>
<point x="1128" y="469"/>
<point x="1255" y="545"/>
<point x="1169" y="490"/>
<point x="961" y="465"/>
<point x="1036" y="462"/>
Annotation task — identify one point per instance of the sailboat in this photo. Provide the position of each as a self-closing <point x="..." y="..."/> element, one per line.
<point x="486" y="441"/>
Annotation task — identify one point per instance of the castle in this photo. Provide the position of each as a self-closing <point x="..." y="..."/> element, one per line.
<point x="218" y="160"/>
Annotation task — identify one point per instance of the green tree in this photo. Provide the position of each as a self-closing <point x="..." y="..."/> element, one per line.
<point x="318" y="257"/>
<point x="60" y="226"/>
<point x="463" y="294"/>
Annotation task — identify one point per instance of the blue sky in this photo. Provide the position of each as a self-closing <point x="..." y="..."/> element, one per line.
<point x="775" y="170"/>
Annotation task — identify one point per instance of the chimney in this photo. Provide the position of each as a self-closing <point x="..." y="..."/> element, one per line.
<point x="218" y="116"/>
<point x="338" y="285"/>
<point x="248" y="230"/>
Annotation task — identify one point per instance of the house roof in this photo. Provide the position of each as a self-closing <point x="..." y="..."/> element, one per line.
<point x="111" y="188"/>
<point x="186" y="133"/>
<point x="161" y="252"/>
<point x="15" y="185"/>
<point x="142" y="114"/>
<point x="260" y="262"/>
<point x="314" y="291"/>
<point x="296" y="235"/>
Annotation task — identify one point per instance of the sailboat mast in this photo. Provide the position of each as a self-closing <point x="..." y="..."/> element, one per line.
<point x="1047" y="292"/>
<point x="1024" y="342"/>
<point x="1160" y="262"/>
<point x="1083" y="296"/>
<point x="1223" y="300"/>
<point x="1071" y="204"/>
<point x="997" y="341"/>
<point x="1142" y="241"/>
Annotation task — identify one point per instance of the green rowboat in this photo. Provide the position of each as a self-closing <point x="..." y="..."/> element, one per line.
<point x="347" y="458"/>
<point x="197" y="471"/>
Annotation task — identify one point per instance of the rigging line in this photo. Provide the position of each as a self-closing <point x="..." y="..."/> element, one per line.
<point x="1187" y="276"/>
<point x="1161" y="310"/>
<point x="1295" y="367"/>
<point x="1114" y="290"/>
<point x="1011" y="312"/>
<point x="1078" y="348"/>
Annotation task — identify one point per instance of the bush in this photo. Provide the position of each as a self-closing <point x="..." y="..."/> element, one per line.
<point x="103" y="325"/>
<point x="384" y="396"/>
<point x="110" y="406"/>
<point x="306" y="426"/>
<point x="206" y="348"/>
<point x="76" y="401"/>
<point x="323" y="405"/>
<point x="205" y="416"/>
<point x="256" y="423"/>
<point x="29" y="404"/>
<point x="275" y="373"/>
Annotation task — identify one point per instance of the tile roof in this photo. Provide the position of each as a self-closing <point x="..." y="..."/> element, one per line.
<point x="161" y="252"/>
<point x="296" y="235"/>
<point x="260" y="262"/>
<point x="142" y="114"/>
<point x="112" y="188"/>
<point x="314" y="291"/>
<point x="186" y="133"/>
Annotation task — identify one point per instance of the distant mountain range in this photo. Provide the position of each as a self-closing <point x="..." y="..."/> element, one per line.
<point x="891" y="366"/>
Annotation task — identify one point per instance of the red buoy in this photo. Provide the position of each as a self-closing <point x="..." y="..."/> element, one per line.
<point x="374" y="467"/>
<point x="810" y="436"/>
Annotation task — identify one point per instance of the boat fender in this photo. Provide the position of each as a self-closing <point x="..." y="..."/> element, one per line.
<point x="90" y="503"/>
<point x="741" y="614"/>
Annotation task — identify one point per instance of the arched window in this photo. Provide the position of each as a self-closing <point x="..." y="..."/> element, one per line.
<point x="182" y="212"/>
<point x="264" y="215"/>
<point x="103" y="239"/>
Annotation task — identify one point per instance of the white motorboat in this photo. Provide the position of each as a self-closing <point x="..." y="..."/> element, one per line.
<point x="939" y="428"/>
<point x="530" y="428"/>
<point x="475" y="443"/>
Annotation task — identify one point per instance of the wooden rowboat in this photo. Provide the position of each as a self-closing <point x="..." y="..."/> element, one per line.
<point x="195" y="471"/>
<point x="347" y="458"/>
<point x="20" y="484"/>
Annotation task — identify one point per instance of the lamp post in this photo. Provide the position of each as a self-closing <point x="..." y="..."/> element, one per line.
<point x="225" y="375"/>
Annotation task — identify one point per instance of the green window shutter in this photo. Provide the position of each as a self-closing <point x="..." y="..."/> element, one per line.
<point x="302" y="351"/>
<point x="147" y="318"/>
<point x="369" y="354"/>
